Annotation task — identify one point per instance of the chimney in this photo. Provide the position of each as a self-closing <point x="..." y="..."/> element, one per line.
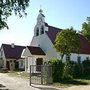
<point x="12" y="45"/>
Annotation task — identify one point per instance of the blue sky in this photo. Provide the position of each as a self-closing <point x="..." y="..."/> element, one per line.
<point x="58" y="13"/>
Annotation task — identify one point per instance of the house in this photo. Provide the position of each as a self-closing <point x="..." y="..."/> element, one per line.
<point x="41" y="48"/>
<point x="11" y="56"/>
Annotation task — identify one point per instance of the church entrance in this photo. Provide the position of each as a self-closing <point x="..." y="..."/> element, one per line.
<point x="39" y="62"/>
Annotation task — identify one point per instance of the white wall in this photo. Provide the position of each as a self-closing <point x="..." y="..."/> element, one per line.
<point x="21" y="63"/>
<point x="83" y="56"/>
<point x="45" y="44"/>
<point x="74" y="56"/>
<point x="3" y="60"/>
<point x="30" y="61"/>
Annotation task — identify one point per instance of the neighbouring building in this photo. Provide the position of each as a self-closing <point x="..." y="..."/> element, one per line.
<point x="41" y="48"/>
<point x="10" y="57"/>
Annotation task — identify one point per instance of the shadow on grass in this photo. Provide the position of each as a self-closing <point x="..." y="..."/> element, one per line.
<point x="74" y="82"/>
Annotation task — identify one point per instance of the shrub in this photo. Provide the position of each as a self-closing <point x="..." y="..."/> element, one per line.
<point x="86" y="67"/>
<point x="77" y="70"/>
<point x="57" y="69"/>
<point x="67" y="72"/>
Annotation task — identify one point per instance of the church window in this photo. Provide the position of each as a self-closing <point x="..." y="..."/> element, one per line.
<point x="87" y="58"/>
<point x="37" y="32"/>
<point x="42" y="30"/>
<point x="67" y="57"/>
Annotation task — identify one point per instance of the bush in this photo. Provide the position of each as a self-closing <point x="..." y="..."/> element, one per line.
<point x="77" y="70"/>
<point x="57" y="69"/>
<point x="67" y="72"/>
<point x="86" y="67"/>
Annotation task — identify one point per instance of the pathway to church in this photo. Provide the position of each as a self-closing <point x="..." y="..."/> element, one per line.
<point x="15" y="83"/>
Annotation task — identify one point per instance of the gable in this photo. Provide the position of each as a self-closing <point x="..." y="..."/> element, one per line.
<point x="26" y="52"/>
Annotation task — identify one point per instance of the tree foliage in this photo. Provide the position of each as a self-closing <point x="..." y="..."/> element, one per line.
<point x="86" y="28"/>
<point x="67" y="41"/>
<point x="8" y="6"/>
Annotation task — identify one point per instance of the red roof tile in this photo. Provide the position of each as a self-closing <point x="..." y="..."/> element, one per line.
<point x="12" y="53"/>
<point x="52" y="32"/>
<point x="85" y="45"/>
<point x="36" y="50"/>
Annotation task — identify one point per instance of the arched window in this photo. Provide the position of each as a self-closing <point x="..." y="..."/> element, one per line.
<point x="37" y="31"/>
<point x="42" y="30"/>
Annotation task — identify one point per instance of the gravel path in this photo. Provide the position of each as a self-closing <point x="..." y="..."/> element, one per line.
<point x="15" y="83"/>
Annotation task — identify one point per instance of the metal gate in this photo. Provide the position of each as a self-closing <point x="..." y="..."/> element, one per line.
<point x="40" y="74"/>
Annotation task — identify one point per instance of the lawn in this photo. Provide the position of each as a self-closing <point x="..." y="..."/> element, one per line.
<point x="72" y="83"/>
<point x="21" y="74"/>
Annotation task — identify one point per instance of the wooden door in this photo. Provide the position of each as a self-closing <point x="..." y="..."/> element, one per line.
<point x="8" y="65"/>
<point x="39" y="62"/>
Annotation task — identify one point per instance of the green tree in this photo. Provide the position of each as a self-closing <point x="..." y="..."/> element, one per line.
<point x="7" y="7"/>
<point x="86" y="28"/>
<point x="67" y="41"/>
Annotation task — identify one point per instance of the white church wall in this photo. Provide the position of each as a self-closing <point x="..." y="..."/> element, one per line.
<point x="45" y="44"/>
<point x="74" y="56"/>
<point x="83" y="56"/>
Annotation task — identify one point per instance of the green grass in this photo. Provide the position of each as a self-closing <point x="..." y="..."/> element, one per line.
<point x="21" y="74"/>
<point x="72" y="82"/>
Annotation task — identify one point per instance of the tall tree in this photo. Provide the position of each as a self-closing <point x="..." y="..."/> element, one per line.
<point x="86" y="28"/>
<point x="8" y="6"/>
<point x="67" y="41"/>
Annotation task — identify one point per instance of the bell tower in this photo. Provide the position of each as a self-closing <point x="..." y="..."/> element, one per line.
<point x="40" y="25"/>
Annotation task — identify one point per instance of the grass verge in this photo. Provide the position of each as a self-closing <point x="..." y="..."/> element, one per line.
<point x="21" y="74"/>
<point x="72" y="83"/>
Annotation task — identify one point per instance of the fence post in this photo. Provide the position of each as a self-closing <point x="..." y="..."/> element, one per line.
<point x="30" y="75"/>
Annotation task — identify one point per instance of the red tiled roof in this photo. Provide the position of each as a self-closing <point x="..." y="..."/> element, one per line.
<point x="36" y="50"/>
<point x="12" y="53"/>
<point x="52" y="32"/>
<point x="85" y="45"/>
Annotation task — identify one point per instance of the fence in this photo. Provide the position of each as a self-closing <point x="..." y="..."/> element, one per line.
<point x="40" y="74"/>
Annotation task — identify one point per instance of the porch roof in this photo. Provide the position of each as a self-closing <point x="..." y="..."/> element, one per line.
<point x="35" y="50"/>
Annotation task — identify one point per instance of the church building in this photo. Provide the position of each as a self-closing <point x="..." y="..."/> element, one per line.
<point x="41" y="48"/>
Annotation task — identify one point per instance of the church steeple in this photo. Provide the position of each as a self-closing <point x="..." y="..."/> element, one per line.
<point x="40" y="25"/>
<point x="40" y="18"/>
<point x="40" y="11"/>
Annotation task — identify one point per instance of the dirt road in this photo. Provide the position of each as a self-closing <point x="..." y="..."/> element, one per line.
<point x="15" y="83"/>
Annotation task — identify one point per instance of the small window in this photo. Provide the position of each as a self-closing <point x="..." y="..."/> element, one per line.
<point x="79" y="59"/>
<point x="67" y="57"/>
<point x="87" y="58"/>
<point x="37" y="32"/>
<point x="42" y="30"/>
